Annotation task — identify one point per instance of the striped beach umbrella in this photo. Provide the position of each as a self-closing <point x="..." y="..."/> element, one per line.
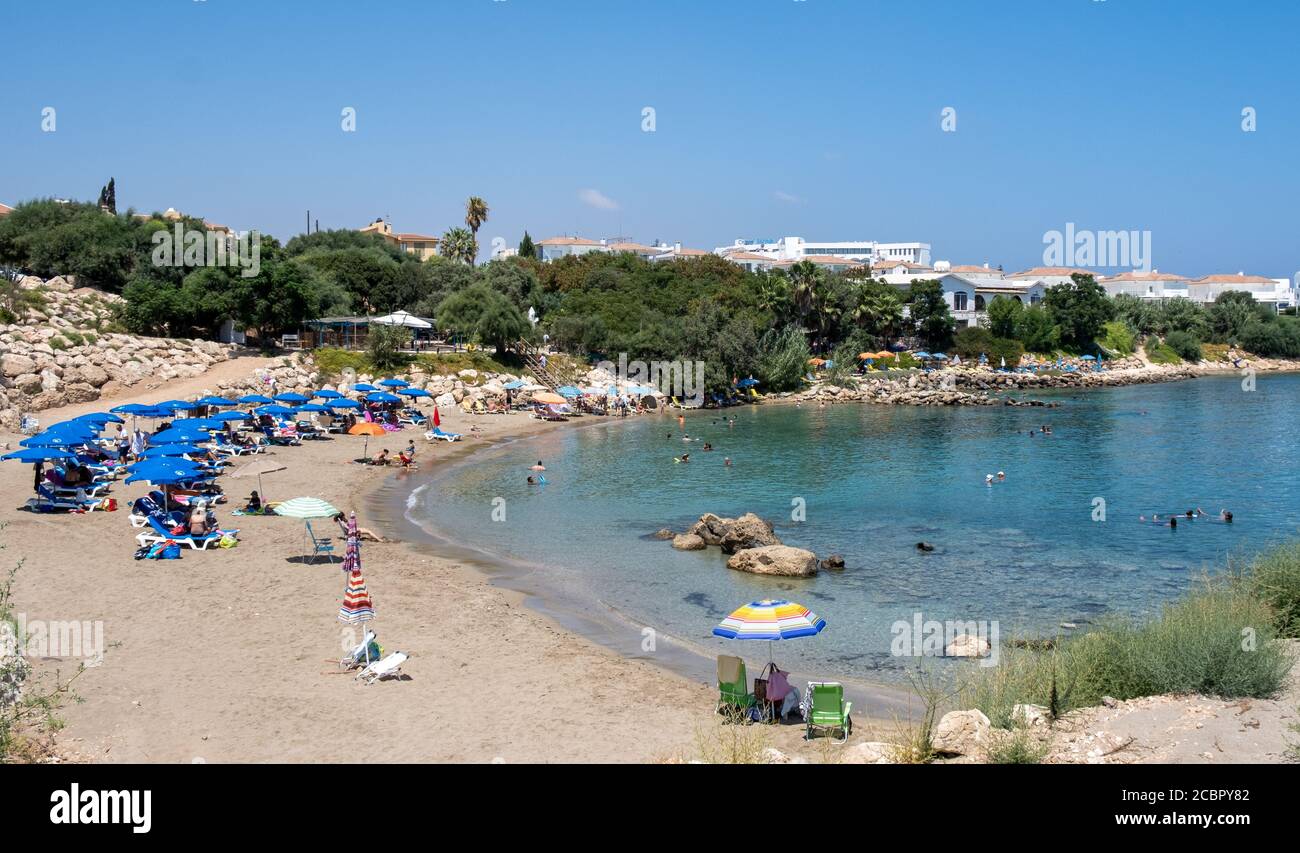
<point x="358" y="606"/>
<point x="306" y="508"/>
<point x="771" y="619"/>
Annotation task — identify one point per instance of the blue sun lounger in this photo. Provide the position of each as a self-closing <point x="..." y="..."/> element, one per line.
<point x="161" y="534"/>
<point x="437" y="432"/>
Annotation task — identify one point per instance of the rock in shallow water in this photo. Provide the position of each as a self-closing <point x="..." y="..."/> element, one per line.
<point x="780" y="560"/>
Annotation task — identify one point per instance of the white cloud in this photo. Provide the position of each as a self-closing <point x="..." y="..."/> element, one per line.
<point x="597" y="199"/>
<point x="787" y="197"/>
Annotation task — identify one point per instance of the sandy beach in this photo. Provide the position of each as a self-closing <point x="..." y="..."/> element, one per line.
<point x="226" y="655"/>
<point x="230" y="655"/>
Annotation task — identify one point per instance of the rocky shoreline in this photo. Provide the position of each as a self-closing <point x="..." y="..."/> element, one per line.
<point x="971" y="386"/>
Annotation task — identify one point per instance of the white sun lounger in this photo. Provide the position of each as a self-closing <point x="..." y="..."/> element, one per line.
<point x="357" y="657"/>
<point x="389" y="667"/>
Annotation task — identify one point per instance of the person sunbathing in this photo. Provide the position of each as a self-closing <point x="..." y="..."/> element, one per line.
<point x="254" y="504"/>
<point x="362" y="532"/>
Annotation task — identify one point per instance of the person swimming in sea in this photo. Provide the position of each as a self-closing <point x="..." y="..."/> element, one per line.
<point x="539" y="480"/>
<point x="924" y="547"/>
<point x="685" y="457"/>
<point x="726" y="461"/>
<point x="538" y="467"/>
<point x="707" y="446"/>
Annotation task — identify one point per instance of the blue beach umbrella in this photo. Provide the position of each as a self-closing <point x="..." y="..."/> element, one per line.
<point x="1089" y="357"/>
<point x="165" y="472"/>
<point x="414" y="392"/>
<point x="39" y="454"/>
<point x="940" y="356"/>
<point x="921" y="354"/>
<point x="291" y="397"/>
<point x="178" y="435"/>
<point x="327" y="394"/>
<point x="52" y="438"/>
<point x="218" y="401"/>
<point x="313" y="407"/>
<point x="176" y="405"/>
<point x="100" y="418"/>
<point x="273" y="410"/>
<point x="383" y="397"/>
<point x="198" y="423"/>
<point x="228" y="416"/>
<point x="364" y="386"/>
<point x="568" y="391"/>
<point x="514" y="384"/>
<point x="344" y="403"/>
<point x="131" y="409"/>
<point x="171" y="450"/>
<point x="256" y="399"/>
<point x="394" y="383"/>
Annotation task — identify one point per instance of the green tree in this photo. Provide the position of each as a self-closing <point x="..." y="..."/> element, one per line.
<point x="458" y="244"/>
<point x="1079" y="309"/>
<point x="527" y="249"/>
<point x="384" y="345"/>
<point x="1004" y="315"/>
<point x="930" y="315"/>
<point x="1037" y="331"/>
<point x="484" y="315"/>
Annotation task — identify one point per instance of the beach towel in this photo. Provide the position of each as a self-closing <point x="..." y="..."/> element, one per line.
<point x="729" y="669"/>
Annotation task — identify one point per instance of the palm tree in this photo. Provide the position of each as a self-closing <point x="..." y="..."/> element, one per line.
<point x="804" y="277"/>
<point x="476" y="213"/>
<point x="458" y="244"/>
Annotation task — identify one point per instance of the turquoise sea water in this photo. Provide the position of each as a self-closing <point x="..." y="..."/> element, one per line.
<point x="876" y="480"/>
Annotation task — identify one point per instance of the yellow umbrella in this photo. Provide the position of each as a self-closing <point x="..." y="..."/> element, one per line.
<point x="548" y="397"/>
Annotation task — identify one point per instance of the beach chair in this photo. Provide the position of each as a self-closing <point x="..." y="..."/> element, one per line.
<point x="160" y="534"/>
<point x="827" y="709"/>
<point x="438" y="433"/>
<point x="357" y="657"/>
<point x="734" y="698"/>
<point x="389" y="667"/>
<point x="47" y="500"/>
<point x="319" y="544"/>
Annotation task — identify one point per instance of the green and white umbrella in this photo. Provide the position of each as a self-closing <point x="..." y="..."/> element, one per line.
<point x="306" y="509"/>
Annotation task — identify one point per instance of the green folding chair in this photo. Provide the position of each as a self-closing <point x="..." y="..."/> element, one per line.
<point x="828" y="710"/>
<point x="733" y="686"/>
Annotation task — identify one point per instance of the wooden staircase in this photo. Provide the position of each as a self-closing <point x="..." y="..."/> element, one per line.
<point x="532" y="358"/>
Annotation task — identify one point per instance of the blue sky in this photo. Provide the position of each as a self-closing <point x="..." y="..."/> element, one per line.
<point x="773" y="117"/>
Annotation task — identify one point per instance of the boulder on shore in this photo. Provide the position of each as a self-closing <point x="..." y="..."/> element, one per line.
<point x="835" y="562"/>
<point x="781" y="560"/>
<point x="967" y="646"/>
<point x="962" y="733"/>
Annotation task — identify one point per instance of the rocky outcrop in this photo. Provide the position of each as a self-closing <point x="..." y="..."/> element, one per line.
<point x="710" y="528"/>
<point x="781" y="560"/>
<point x="833" y="563"/>
<point x="962" y="733"/>
<point x="748" y="531"/>
<point x="67" y="350"/>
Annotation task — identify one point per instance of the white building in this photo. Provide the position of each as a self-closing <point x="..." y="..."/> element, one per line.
<point x="798" y="249"/>
<point x="1050" y="275"/>
<point x="554" y="248"/>
<point x="1271" y="291"/>
<point x="1154" y="285"/>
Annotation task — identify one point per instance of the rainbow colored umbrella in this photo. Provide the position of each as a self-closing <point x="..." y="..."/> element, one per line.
<point x="770" y="619"/>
